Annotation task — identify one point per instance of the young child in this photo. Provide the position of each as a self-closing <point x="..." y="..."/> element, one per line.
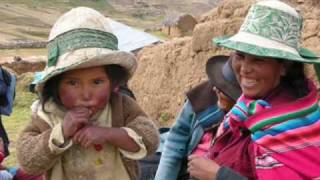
<point x="80" y="127"/>
<point x="196" y="125"/>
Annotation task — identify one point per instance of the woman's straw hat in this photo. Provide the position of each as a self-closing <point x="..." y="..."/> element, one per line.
<point x="271" y="29"/>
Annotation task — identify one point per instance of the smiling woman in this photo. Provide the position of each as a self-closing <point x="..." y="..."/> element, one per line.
<point x="272" y="130"/>
<point x="257" y="76"/>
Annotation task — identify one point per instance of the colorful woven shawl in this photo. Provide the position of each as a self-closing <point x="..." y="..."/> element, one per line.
<point x="287" y="135"/>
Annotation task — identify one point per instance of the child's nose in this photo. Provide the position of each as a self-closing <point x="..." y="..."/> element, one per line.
<point x="86" y="93"/>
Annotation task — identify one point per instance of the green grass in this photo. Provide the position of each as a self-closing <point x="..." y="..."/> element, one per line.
<point x="20" y="116"/>
<point x="13" y="125"/>
<point x="160" y="35"/>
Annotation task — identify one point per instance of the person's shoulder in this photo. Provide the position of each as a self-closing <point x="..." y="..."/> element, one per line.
<point x="124" y="103"/>
<point x="119" y="97"/>
<point x="202" y="96"/>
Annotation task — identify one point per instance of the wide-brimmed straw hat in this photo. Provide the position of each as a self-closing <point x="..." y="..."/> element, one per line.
<point x="83" y="38"/>
<point x="271" y="29"/>
<point x="220" y="74"/>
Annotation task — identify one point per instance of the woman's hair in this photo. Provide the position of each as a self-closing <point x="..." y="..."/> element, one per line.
<point x="117" y="75"/>
<point x="295" y="80"/>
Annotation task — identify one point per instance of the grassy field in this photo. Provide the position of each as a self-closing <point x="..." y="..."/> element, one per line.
<point x="20" y="116"/>
<point x="22" y="20"/>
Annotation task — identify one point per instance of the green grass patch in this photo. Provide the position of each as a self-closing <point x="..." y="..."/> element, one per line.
<point x="17" y="121"/>
<point x="160" y="35"/>
<point x="20" y="116"/>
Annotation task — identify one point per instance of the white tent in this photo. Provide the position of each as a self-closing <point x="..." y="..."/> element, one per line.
<point x="131" y="39"/>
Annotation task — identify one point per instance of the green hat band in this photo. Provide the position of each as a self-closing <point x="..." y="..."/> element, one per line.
<point x="78" y="39"/>
<point x="273" y="24"/>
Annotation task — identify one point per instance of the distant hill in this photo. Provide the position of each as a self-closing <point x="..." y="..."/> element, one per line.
<point x="30" y="20"/>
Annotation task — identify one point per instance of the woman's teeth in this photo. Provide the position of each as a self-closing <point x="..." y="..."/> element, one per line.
<point x="248" y="82"/>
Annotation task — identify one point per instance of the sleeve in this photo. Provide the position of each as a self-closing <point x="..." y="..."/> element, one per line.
<point x="57" y="143"/>
<point x="138" y="139"/>
<point x="33" y="152"/>
<point x="137" y="120"/>
<point x="175" y="147"/>
<point x="225" y="173"/>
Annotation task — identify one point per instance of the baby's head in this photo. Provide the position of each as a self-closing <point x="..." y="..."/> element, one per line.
<point x="221" y="75"/>
<point x="84" y="63"/>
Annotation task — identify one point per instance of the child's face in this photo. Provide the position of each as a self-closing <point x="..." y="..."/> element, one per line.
<point x="224" y="102"/>
<point x="89" y="87"/>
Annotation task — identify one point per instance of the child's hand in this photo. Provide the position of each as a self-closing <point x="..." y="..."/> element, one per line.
<point x="74" y="120"/>
<point x="202" y="168"/>
<point x="90" y="135"/>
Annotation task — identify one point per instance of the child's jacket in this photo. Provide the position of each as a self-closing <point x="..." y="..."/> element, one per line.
<point x="38" y="152"/>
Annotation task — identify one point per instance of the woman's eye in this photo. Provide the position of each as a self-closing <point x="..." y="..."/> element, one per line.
<point x="258" y="60"/>
<point x="238" y="56"/>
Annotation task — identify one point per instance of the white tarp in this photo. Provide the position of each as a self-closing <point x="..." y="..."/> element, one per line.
<point x="131" y="39"/>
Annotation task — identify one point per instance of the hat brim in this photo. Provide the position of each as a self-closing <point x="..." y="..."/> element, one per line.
<point x="89" y="57"/>
<point x="214" y="68"/>
<point x="260" y="46"/>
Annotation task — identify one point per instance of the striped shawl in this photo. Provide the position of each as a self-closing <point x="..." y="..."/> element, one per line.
<point x="286" y="137"/>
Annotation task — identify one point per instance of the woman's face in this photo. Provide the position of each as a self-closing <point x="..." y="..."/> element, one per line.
<point x="256" y="75"/>
<point x="89" y="87"/>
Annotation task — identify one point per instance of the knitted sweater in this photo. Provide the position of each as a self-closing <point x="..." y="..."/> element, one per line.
<point x="35" y="156"/>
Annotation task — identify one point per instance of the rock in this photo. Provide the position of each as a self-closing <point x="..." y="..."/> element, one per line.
<point x="17" y="58"/>
<point x="25" y="64"/>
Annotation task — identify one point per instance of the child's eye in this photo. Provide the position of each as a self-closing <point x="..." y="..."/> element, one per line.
<point x="98" y="81"/>
<point x="72" y="82"/>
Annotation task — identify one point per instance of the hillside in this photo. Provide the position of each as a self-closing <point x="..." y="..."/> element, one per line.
<point x="194" y="7"/>
<point x="30" y="20"/>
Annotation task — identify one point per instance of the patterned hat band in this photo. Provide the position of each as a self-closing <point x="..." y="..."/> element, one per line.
<point x="78" y="39"/>
<point x="273" y="24"/>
